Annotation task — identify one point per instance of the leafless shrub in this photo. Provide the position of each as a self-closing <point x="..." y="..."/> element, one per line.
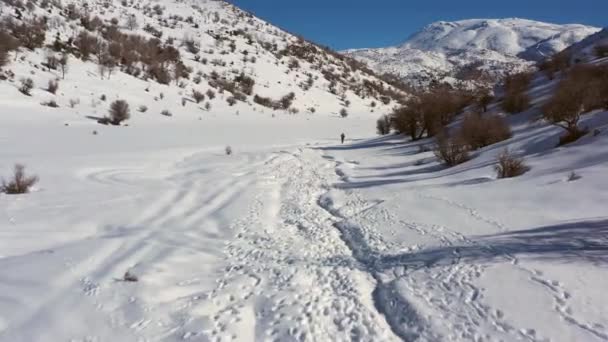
<point x="263" y="101"/>
<point x="228" y="150"/>
<point x="166" y="112"/>
<point x="198" y="96"/>
<point x="7" y="44"/>
<point x="479" y="131"/>
<point x="52" y="87"/>
<point x="516" y="99"/>
<point x="516" y="102"/>
<point x="20" y="183"/>
<point x="30" y="33"/>
<point x="383" y="125"/>
<point x="557" y="63"/>
<point x="130" y="277"/>
<point x="483" y="98"/>
<point x="585" y="88"/>
<point x="451" y="149"/>
<point x="573" y="176"/>
<point x="119" y="112"/>
<point x="27" y="84"/>
<point x="51" y="103"/>
<point x="510" y="166"/>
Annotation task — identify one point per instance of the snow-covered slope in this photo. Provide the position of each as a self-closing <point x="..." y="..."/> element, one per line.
<point x="217" y="43"/>
<point x="294" y="236"/>
<point x="471" y="49"/>
<point x="586" y="50"/>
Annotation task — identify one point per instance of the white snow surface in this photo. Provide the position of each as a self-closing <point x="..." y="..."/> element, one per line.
<point x="441" y="50"/>
<point x="295" y="237"/>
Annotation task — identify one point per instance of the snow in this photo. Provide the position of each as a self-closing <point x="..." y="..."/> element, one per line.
<point x="441" y="49"/>
<point x="293" y="237"/>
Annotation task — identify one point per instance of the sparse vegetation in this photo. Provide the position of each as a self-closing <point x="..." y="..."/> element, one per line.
<point x="20" y="183"/>
<point x="27" y="84"/>
<point x="451" y="149"/>
<point x="119" y="112"/>
<point x="198" y="96"/>
<point x="584" y="89"/>
<point x="478" y="131"/>
<point x="516" y="99"/>
<point x="51" y="103"/>
<point x="429" y="112"/>
<point x="510" y="166"/>
<point x="52" y="87"/>
<point x="383" y="125"/>
<point x="557" y="63"/>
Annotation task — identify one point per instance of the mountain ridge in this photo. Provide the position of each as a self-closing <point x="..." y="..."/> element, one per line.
<point x="489" y="47"/>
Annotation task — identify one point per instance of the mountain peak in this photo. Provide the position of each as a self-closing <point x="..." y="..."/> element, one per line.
<point x="488" y="47"/>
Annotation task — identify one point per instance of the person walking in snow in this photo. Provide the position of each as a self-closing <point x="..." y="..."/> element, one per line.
<point x="343" y="136"/>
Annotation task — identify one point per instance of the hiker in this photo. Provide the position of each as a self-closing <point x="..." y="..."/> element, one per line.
<point x="343" y="136"/>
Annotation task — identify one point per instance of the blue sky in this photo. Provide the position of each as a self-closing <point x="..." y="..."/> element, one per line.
<point x="343" y="24"/>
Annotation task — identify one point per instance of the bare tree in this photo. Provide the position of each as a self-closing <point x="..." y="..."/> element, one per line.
<point x="63" y="64"/>
<point x="132" y="22"/>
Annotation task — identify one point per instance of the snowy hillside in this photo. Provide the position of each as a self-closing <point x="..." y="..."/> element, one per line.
<point x="472" y="49"/>
<point x="187" y="58"/>
<point x="589" y="48"/>
<point x="218" y="213"/>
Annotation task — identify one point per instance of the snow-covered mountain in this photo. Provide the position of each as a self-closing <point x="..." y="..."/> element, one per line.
<point x="159" y="54"/>
<point x="472" y="49"/>
<point x="594" y="46"/>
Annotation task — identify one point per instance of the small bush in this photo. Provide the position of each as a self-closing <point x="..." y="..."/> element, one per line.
<point x="142" y="109"/>
<point x="478" y="131"/>
<point x="510" y="166"/>
<point x="228" y="150"/>
<point x="573" y="176"/>
<point x="198" y="96"/>
<point x="20" y="183"/>
<point x="27" y="84"/>
<point x="231" y="101"/>
<point x="383" y="125"/>
<point x="451" y="150"/>
<point x="52" y="87"/>
<point x="166" y="112"/>
<point x="51" y="104"/>
<point x="343" y="113"/>
<point x="208" y="106"/>
<point x="119" y="112"/>
<point x="263" y="101"/>
<point x="210" y="94"/>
